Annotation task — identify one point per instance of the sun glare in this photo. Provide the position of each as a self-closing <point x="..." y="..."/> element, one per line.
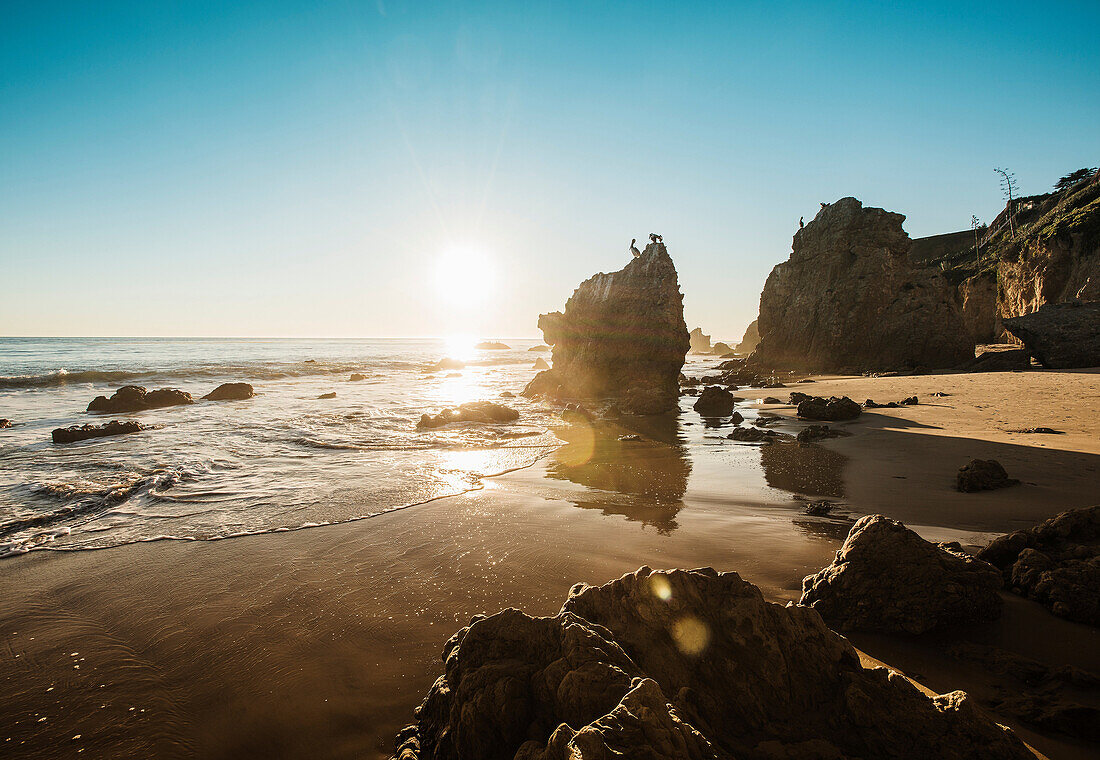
<point x="464" y="275"/>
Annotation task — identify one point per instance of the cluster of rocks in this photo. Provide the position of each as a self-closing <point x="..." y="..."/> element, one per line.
<point x="910" y="401"/>
<point x="753" y="434"/>
<point x="622" y="335"/>
<point x="813" y="433"/>
<point x="1056" y="563"/>
<point x="84" y="432"/>
<point x="983" y="475"/>
<point x="134" y="398"/>
<point x="681" y="664"/>
<point x="832" y="409"/>
<point x="887" y="578"/>
<point x="474" y="411"/>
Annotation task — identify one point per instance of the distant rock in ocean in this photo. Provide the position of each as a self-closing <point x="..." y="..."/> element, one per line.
<point x="231" y="392"/>
<point x="622" y="335"/>
<point x="83" y="432"/>
<point x="474" y="411"/>
<point x="849" y="300"/>
<point x="448" y="363"/>
<point x="541" y="363"/>
<point x="540" y="348"/>
<point x="700" y="343"/>
<point x="134" y="398"/>
<point x="691" y="665"/>
<point x="492" y="345"/>
<point x="5" y="423"/>
<point x="325" y="396"/>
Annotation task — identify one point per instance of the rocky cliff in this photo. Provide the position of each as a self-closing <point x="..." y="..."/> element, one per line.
<point x="750" y="340"/>
<point x="848" y="299"/>
<point x="622" y="335"/>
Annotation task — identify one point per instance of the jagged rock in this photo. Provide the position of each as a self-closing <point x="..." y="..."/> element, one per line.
<point x="686" y="665"/>
<point x="737" y="418"/>
<point x="83" y="432"/>
<point x="887" y="578"/>
<point x="492" y="345"/>
<point x="356" y="377"/>
<point x="474" y="411"/>
<point x="999" y="361"/>
<point x="750" y="340"/>
<point x="1056" y="563"/>
<point x="134" y="398"/>
<point x="849" y="298"/>
<point x="813" y="433"/>
<point x="748" y="434"/>
<point x="1039" y="430"/>
<point x="699" y="343"/>
<point x="714" y="402"/>
<point x="797" y="397"/>
<point x="622" y="335"/>
<point x="231" y="392"/>
<point x="448" y="363"/>
<point x="721" y="349"/>
<point x="1062" y="335"/>
<point x="872" y="404"/>
<point x="540" y="363"/>
<point x="832" y="409"/>
<point x="327" y="395"/>
<point x="983" y="475"/>
<point x="541" y="348"/>
<point x="819" y="508"/>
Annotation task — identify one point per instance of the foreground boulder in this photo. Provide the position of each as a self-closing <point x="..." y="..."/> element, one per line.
<point x="887" y="578"/>
<point x="475" y="411"/>
<point x="134" y="398"/>
<point x="982" y="475"/>
<point x="231" y="392"/>
<point x="1061" y="335"/>
<point x="681" y="664"/>
<point x="84" y="432"/>
<point x="622" y="335"/>
<point x="848" y="299"/>
<point x="1056" y="563"/>
<point x="714" y="402"/>
<point x="832" y="409"/>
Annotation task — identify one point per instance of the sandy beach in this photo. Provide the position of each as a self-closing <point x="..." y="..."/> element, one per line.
<point x="322" y="641"/>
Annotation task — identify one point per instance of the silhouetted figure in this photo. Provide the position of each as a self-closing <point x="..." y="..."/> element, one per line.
<point x="801" y="224"/>
<point x="634" y="248"/>
<point x="823" y="205"/>
<point x="655" y="238"/>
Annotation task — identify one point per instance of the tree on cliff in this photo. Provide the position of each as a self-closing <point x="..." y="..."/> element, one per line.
<point x="1073" y="178"/>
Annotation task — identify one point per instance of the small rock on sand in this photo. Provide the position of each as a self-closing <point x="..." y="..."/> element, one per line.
<point x="983" y="475"/>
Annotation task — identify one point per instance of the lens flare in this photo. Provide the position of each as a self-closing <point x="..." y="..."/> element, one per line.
<point x="690" y="634"/>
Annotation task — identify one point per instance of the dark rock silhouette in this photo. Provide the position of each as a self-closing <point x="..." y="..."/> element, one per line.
<point x="982" y="475"/>
<point x="622" y="335"/>
<point x="849" y="300"/>
<point x="134" y="398"/>
<point x="83" y="432"/>
<point x="475" y="411"/>
<point x="812" y="433"/>
<point x="5" y="423"/>
<point x="541" y="363"/>
<point x="327" y="395"/>
<point x="540" y="348"/>
<point x="750" y="340"/>
<point x="999" y="361"/>
<point x="492" y="345"/>
<point x="231" y="392"/>
<point x="721" y="349"/>
<point x="714" y="401"/>
<point x="1061" y="336"/>
<point x="681" y="664"/>
<point x="887" y="578"/>
<point x="832" y="409"/>
<point x="1056" y="563"/>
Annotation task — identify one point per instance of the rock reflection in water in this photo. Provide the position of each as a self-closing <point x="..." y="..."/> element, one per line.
<point x="803" y="468"/>
<point x="652" y="470"/>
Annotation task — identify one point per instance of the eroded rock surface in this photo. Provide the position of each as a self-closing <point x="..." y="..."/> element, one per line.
<point x="681" y="664"/>
<point x="622" y="335"/>
<point x="134" y="398"/>
<point x="887" y="578"/>
<point x="1056" y="563"/>
<point x="231" y="392"/>
<point x="848" y="299"/>
<point x="474" y="411"/>
<point x="832" y="409"/>
<point x="1061" y="335"/>
<point x="84" y="432"/>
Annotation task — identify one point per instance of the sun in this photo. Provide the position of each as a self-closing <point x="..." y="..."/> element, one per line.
<point x="465" y="275"/>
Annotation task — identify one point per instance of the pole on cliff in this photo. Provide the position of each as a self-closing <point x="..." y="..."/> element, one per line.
<point x="1008" y="187"/>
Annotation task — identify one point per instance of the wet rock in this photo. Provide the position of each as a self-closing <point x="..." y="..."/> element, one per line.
<point x="507" y="394"/>
<point x="5" y="423"/>
<point x="542" y="348"/>
<point x="356" y="377"/>
<point x="231" y="392"/>
<point x="983" y="475"/>
<point x="812" y="433"/>
<point x="870" y="404"/>
<point x="327" y="395"/>
<point x="832" y="409"/>
<point x="737" y="418"/>
<point x="848" y="298"/>
<point x="83" y="432"/>
<point x="540" y="363"/>
<point x="699" y="343"/>
<point x="1061" y="335"/>
<point x="819" y="508"/>
<point x="622" y="335"/>
<point x="134" y="398"/>
<point x="747" y="434"/>
<point x="686" y="665"/>
<point x="492" y="345"/>
<point x="771" y="400"/>
<point x="887" y="578"/>
<point x="714" y="402"/>
<point x="1056" y="563"/>
<point x="577" y="414"/>
<point x="474" y="411"/>
<point x="798" y="397"/>
<point x="999" y="361"/>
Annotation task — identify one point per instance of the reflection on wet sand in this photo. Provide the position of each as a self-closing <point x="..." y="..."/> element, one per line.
<point x="803" y="468"/>
<point x="830" y="529"/>
<point x="650" y="466"/>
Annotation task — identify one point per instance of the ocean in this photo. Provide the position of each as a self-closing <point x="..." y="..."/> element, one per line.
<point x="284" y="460"/>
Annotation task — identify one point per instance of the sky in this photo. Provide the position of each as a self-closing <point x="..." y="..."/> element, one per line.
<point x="390" y="168"/>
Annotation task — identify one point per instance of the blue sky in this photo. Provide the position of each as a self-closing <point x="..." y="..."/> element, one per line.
<point x="286" y="168"/>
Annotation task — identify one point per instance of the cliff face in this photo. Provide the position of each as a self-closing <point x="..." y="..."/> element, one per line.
<point x="848" y="299"/>
<point x="622" y="335"/>
<point x="750" y="340"/>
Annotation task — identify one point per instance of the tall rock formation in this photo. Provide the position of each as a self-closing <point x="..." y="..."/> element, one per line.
<point x="750" y="340"/>
<point x="700" y="343"/>
<point x="622" y="335"/>
<point x="848" y="299"/>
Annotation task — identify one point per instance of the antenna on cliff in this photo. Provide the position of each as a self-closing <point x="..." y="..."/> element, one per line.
<point x="976" y="225"/>
<point x="1008" y="187"/>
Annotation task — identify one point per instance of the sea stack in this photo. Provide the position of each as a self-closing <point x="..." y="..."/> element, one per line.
<point x="848" y="300"/>
<point x="622" y="335"/>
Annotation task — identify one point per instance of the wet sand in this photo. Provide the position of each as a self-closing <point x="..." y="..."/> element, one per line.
<point x="322" y="641"/>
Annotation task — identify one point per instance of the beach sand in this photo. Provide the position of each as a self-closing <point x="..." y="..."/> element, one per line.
<point x="321" y="642"/>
